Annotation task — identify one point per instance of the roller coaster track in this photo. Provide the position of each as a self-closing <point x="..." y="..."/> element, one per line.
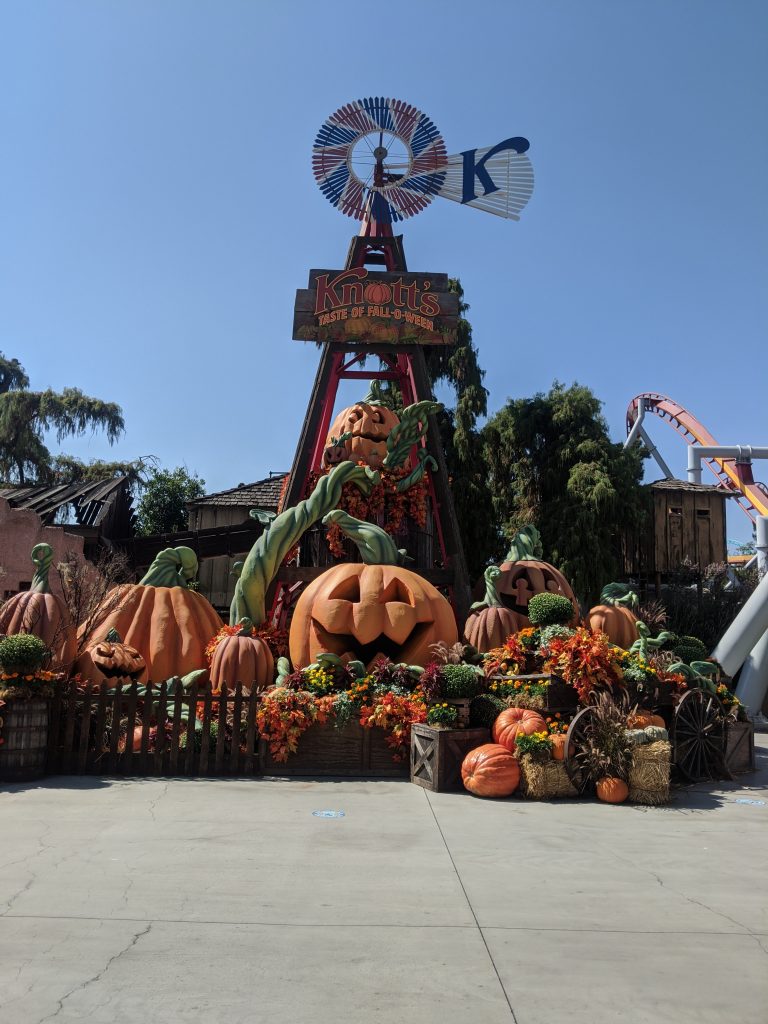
<point x="751" y="497"/>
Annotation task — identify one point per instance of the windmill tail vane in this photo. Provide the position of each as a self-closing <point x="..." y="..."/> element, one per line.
<point x="497" y="179"/>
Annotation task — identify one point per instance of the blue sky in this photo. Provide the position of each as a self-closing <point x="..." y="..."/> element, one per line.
<point x="158" y="210"/>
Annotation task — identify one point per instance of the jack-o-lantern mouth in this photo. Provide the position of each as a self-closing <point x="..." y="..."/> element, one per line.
<point x="349" y="648"/>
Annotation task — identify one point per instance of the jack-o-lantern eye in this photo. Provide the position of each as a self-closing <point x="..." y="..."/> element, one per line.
<point x="376" y="416"/>
<point x="347" y="590"/>
<point x="355" y="415"/>
<point x="396" y="590"/>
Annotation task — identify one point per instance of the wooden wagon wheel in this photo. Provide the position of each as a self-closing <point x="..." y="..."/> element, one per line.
<point x="579" y="732"/>
<point x="698" y="736"/>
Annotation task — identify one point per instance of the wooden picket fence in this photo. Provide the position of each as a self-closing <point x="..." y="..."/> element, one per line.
<point x="153" y="730"/>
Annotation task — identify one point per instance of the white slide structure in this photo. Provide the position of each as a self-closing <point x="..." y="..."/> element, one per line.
<point x="744" y="645"/>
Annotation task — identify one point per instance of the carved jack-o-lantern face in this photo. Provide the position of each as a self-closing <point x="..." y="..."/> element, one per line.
<point x="361" y="612"/>
<point x="521" y="580"/>
<point x="369" y="426"/>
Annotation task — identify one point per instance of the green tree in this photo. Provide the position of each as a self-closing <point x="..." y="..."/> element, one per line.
<point x="26" y="415"/>
<point x="162" y="506"/>
<point x="459" y="368"/>
<point x="551" y="462"/>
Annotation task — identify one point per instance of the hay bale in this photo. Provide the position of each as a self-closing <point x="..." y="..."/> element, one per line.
<point x="649" y="774"/>
<point x="544" y="780"/>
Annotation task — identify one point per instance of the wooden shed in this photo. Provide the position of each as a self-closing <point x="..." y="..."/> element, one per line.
<point x="686" y="529"/>
<point x="220" y="513"/>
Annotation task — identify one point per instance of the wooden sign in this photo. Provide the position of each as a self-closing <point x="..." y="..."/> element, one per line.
<point x="368" y="307"/>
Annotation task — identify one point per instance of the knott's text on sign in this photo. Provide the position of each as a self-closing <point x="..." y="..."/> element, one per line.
<point x="367" y="307"/>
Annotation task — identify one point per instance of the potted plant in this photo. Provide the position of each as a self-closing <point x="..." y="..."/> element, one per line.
<point x="25" y="689"/>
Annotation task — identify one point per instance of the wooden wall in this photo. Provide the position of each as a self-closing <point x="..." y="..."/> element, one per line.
<point x="216" y="580"/>
<point x="686" y="525"/>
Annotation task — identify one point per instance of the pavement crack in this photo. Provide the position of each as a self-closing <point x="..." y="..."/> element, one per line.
<point x="156" y="801"/>
<point x="688" y="899"/>
<point x="97" y="977"/>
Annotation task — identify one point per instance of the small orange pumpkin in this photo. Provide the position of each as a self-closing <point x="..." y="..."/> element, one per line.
<point x="110" y="658"/>
<point x="39" y="612"/>
<point x="490" y="622"/>
<point x="515" y="721"/>
<point x="641" y="719"/>
<point x="490" y="770"/>
<point x="558" y="746"/>
<point x="243" y="658"/>
<point x="612" y="791"/>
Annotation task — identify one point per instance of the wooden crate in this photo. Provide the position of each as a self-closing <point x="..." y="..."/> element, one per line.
<point x="324" y="750"/>
<point x="559" y="696"/>
<point x="436" y="755"/>
<point x="739" y="747"/>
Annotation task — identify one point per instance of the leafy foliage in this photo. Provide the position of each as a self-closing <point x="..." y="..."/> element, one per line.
<point x="460" y="681"/>
<point x="549" y="610"/>
<point x="162" y="506"/>
<point x="550" y="461"/>
<point x="23" y="652"/>
<point x="26" y="415"/>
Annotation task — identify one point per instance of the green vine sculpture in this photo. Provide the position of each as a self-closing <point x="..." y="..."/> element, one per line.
<point x="645" y="642"/>
<point x="414" y="421"/>
<point x="172" y="567"/>
<point x="378" y="396"/>
<point x="264" y="558"/>
<point x="491" y="599"/>
<point x="525" y="544"/>
<point x="42" y="557"/>
<point x="618" y="594"/>
<point x="373" y="543"/>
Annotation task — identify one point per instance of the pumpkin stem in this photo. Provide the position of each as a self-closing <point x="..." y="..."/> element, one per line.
<point x="618" y="594"/>
<point x="412" y="427"/>
<point x="264" y="558"/>
<point x="526" y="543"/>
<point x="172" y="567"/>
<point x="374" y="544"/>
<point x="42" y="557"/>
<point x="246" y="625"/>
<point x="378" y="396"/>
<point x="491" y="599"/>
<point x="113" y="637"/>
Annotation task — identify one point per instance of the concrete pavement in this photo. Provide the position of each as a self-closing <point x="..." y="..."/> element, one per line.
<point x="132" y="901"/>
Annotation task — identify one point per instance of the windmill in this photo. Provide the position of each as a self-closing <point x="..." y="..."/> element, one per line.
<point x="382" y="161"/>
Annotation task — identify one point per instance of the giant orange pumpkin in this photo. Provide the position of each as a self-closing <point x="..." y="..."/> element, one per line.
<point x="523" y="575"/>
<point x="490" y="622"/>
<point x="360" y="612"/>
<point x="614" y="615"/>
<point x="490" y="770"/>
<point x="514" y="722"/>
<point x="42" y="613"/>
<point x="243" y="658"/>
<point x="168" y="624"/>
<point x="369" y="426"/>
<point x="618" y="623"/>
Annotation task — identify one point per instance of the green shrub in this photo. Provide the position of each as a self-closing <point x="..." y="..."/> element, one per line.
<point x="23" y="653"/>
<point x="550" y="610"/>
<point x="690" y="648"/>
<point x="485" y="709"/>
<point x="460" y="681"/>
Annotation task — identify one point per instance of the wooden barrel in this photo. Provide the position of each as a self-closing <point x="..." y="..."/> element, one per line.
<point x="25" y="740"/>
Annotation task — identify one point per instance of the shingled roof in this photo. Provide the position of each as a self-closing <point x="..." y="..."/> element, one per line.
<point x="260" y="494"/>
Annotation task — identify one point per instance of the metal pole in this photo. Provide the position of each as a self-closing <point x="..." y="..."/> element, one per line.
<point x="761" y="544"/>
<point x="744" y="632"/>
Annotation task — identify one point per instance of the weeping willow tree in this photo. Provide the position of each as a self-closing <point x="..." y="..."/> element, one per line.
<point x="26" y="415"/>
<point x="551" y="462"/>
